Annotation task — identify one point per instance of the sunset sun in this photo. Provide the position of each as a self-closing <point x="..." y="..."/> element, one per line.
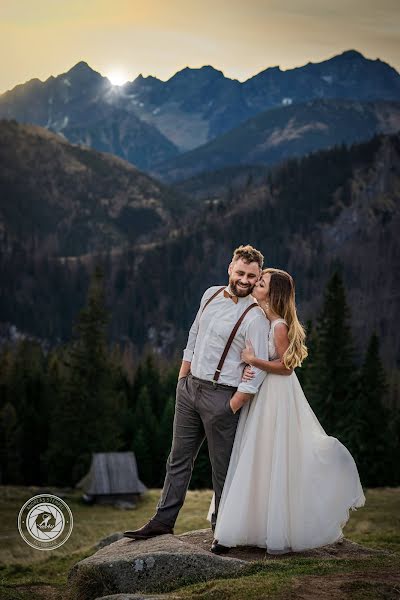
<point x="117" y="77"/>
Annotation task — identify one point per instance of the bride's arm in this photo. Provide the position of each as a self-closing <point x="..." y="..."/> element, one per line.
<point x="271" y="366"/>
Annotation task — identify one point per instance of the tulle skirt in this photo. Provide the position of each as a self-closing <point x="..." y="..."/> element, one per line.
<point x="289" y="486"/>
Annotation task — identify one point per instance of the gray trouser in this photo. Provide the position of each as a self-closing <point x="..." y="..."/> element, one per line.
<point x="201" y="411"/>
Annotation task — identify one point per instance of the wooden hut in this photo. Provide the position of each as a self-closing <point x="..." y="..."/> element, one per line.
<point x="112" y="479"/>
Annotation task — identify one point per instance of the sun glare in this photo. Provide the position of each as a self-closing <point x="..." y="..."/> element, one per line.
<point x="117" y="77"/>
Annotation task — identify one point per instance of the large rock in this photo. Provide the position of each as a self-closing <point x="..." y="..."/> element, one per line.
<point x="128" y="569"/>
<point x="343" y="549"/>
<point x="156" y="565"/>
<point x="109" y="539"/>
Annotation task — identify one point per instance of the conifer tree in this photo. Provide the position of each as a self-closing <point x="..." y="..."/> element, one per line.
<point x="10" y="443"/>
<point x="85" y="420"/>
<point x="147" y="443"/>
<point x="395" y="436"/>
<point x="144" y="415"/>
<point x="28" y="390"/>
<point x="371" y="438"/>
<point x="331" y="377"/>
<point x="302" y="372"/>
<point x="151" y="378"/>
<point x="165" y="435"/>
<point x="144" y="457"/>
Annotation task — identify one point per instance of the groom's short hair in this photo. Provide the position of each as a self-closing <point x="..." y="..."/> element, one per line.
<point x="248" y="254"/>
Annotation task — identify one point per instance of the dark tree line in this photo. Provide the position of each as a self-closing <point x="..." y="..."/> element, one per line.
<point x="349" y="401"/>
<point x="59" y="406"/>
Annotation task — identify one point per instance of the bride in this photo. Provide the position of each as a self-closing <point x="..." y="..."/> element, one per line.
<point x="289" y="485"/>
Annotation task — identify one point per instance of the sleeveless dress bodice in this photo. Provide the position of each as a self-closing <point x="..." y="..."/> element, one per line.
<point x="272" y="353"/>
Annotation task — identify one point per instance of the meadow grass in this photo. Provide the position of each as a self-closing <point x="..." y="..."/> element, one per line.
<point x="25" y="572"/>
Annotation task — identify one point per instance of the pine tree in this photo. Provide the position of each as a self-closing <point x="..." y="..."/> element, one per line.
<point x="303" y="371"/>
<point x="331" y="377"/>
<point x="144" y="457"/>
<point x="151" y="378"/>
<point x="395" y="436"/>
<point x="165" y="435"/>
<point x="147" y="437"/>
<point x="29" y="395"/>
<point x="371" y="438"/>
<point x="10" y="444"/>
<point x="144" y="415"/>
<point x="85" y="420"/>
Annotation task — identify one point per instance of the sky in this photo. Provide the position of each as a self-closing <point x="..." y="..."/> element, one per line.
<point x="122" y="38"/>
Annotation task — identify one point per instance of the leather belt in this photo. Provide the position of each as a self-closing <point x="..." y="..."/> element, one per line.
<point x="214" y="384"/>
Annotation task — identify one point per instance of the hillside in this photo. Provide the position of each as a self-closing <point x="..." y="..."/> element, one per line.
<point x="281" y="133"/>
<point x="63" y="199"/>
<point x="213" y="186"/>
<point x="335" y="208"/>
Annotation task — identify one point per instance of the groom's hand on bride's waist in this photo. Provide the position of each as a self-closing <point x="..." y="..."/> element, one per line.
<point x="248" y="373"/>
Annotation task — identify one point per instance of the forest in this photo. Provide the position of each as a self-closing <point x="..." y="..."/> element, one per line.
<point x="60" y="404"/>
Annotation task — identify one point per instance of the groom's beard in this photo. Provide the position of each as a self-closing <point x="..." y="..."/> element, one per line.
<point x="239" y="291"/>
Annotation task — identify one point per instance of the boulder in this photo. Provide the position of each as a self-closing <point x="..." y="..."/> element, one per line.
<point x="138" y="570"/>
<point x="342" y="549"/>
<point x="109" y="539"/>
<point x="156" y="565"/>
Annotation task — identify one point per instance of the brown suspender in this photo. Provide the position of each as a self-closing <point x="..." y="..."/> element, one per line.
<point x="212" y="298"/>
<point x="232" y="335"/>
<point x="229" y="342"/>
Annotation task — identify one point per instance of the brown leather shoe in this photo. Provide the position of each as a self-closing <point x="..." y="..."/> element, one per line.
<point x="151" y="529"/>
<point x="218" y="548"/>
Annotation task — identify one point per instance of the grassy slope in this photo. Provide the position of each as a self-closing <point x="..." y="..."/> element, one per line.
<point x="28" y="573"/>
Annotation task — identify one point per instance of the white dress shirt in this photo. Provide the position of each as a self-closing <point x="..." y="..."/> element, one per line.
<point x="209" y="334"/>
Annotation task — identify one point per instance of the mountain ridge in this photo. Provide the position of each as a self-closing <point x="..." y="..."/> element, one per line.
<point x="283" y="132"/>
<point x="162" y="119"/>
<point x="351" y="53"/>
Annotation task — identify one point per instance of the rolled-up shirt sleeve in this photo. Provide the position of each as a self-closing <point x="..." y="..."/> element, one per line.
<point x="257" y="333"/>
<point x="191" y="341"/>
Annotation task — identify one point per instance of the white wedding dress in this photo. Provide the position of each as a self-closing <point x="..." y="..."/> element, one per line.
<point x="289" y="485"/>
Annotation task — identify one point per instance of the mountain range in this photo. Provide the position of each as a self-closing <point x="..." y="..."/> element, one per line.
<point x="160" y="181"/>
<point x="149" y="121"/>
<point x="280" y="133"/>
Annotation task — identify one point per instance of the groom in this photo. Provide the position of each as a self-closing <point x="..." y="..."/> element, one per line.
<point x="209" y="391"/>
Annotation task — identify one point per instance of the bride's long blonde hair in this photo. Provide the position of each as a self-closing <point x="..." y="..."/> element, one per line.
<point x="282" y="302"/>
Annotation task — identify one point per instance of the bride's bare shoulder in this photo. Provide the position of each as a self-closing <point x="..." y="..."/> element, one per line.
<point x="281" y="332"/>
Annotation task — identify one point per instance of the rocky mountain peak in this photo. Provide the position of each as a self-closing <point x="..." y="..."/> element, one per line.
<point x="83" y="71"/>
<point x="351" y="55"/>
<point x="201" y="73"/>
